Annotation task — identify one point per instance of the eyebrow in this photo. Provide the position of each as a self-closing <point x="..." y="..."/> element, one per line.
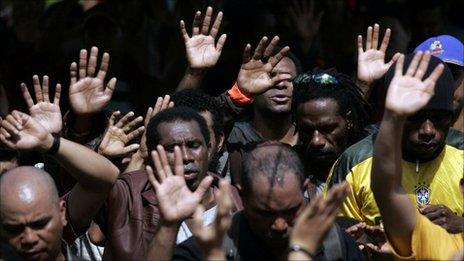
<point x="40" y="219"/>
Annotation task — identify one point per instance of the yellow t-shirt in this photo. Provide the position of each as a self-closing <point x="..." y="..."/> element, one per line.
<point x="434" y="182"/>
<point x="432" y="242"/>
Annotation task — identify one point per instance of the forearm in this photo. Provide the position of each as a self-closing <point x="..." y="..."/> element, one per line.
<point x="398" y="212"/>
<point x="191" y="80"/>
<point x="162" y="245"/>
<point x="91" y="170"/>
<point x="366" y="88"/>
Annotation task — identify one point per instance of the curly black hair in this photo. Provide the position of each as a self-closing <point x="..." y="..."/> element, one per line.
<point x="344" y="91"/>
<point x="201" y="102"/>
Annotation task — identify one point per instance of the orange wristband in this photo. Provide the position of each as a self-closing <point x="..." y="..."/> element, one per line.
<point x="238" y="97"/>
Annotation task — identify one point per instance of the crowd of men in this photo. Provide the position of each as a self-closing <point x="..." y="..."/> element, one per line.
<point x="284" y="165"/>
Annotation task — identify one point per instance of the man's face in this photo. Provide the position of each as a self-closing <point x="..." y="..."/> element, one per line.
<point x="322" y="130"/>
<point x="271" y="210"/>
<point x="278" y="99"/>
<point x="209" y="121"/>
<point x="425" y="133"/>
<point x="187" y="135"/>
<point x="33" y="227"/>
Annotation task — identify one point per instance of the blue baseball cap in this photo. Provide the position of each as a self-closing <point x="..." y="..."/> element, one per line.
<point x="445" y="47"/>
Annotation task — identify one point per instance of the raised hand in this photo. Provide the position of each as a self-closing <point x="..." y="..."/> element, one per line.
<point x="20" y="131"/>
<point x="45" y="112"/>
<point x="117" y="136"/>
<point x="408" y="93"/>
<point x="176" y="201"/>
<point x="371" y="62"/>
<point x="210" y="237"/>
<point x="255" y="75"/>
<point x="315" y="221"/>
<point x="444" y="217"/>
<point x="202" y="51"/>
<point x="87" y="94"/>
<point x="303" y="19"/>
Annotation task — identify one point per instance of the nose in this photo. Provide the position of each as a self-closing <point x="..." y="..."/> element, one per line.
<point x="427" y="131"/>
<point x="280" y="225"/>
<point x="317" y="140"/>
<point x="187" y="155"/>
<point x="282" y="85"/>
<point x="29" y="238"/>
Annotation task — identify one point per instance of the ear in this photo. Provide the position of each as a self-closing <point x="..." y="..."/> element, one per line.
<point x="63" y="218"/>
<point x="349" y="121"/>
<point x="221" y="141"/>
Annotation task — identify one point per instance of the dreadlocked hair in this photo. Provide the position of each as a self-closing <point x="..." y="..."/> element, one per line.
<point x="346" y="93"/>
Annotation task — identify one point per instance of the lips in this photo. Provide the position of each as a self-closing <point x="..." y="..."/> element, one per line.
<point x="32" y="255"/>
<point x="190" y="172"/>
<point x="280" y="98"/>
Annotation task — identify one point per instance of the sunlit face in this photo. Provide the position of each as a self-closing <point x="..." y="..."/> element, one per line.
<point x="278" y="99"/>
<point x="322" y="130"/>
<point x="425" y="133"/>
<point x="188" y="136"/>
<point x="271" y="210"/>
<point x="33" y="225"/>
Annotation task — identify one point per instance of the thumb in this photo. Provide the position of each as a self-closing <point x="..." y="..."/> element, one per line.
<point x="203" y="187"/>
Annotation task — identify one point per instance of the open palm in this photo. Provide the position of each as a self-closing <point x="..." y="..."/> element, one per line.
<point x="48" y="115"/>
<point x="87" y="95"/>
<point x="408" y="93"/>
<point x="201" y="52"/>
<point x="30" y="135"/>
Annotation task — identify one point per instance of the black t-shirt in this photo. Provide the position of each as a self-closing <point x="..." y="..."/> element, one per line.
<point x="249" y="247"/>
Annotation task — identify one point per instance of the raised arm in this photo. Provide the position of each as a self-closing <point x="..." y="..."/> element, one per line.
<point x="371" y="60"/>
<point x="202" y="49"/>
<point x="407" y="94"/>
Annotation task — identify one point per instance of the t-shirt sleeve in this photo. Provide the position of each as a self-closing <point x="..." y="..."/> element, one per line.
<point x="432" y="242"/>
<point x="187" y="251"/>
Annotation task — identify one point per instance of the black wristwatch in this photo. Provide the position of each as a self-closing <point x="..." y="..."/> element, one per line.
<point x="298" y="248"/>
<point x="56" y="144"/>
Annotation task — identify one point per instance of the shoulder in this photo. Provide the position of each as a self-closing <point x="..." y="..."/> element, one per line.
<point x="243" y="133"/>
<point x="354" y="155"/>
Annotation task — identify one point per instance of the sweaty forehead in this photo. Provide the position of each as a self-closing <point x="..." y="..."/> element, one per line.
<point x="179" y="131"/>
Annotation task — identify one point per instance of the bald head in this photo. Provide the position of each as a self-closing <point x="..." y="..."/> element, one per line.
<point x="26" y="184"/>
<point x="272" y="160"/>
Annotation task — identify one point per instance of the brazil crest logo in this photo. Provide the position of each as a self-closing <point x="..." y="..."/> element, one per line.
<point x="422" y="192"/>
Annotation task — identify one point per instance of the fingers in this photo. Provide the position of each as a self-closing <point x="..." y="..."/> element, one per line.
<point x="103" y="66"/>
<point x="385" y="41"/>
<point x="197" y="222"/>
<point x="207" y="20"/>
<point x="151" y="177"/>
<point x="165" y="103"/>
<point x="360" y="44"/>
<point x="124" y="120"/>
<point x="399" y="66"/>
<point x="204" y="186"/>
<point x="221" y="42"/>
<point x="247" y="54"/>
<point x="56" y="99"/>
<point x="148" y="116"/>
<point x="110" y="88"/>
<point x="433" y="77"/>
<point x="73" y="73"/>
<point x="395" y="58"/>
<point x="216" y="25"/>
<point x="424" y="62"/>
<point x="164" y="160"/>
<point x="260" y="49"/>
<point x="413" y="65"/>
<point x="158" y="165"/>
<point x="37" y="89"/>
<point x="135" y="133"/>
<point x="131" y="125"/>
<point x="27" y="95"/>
<point x="82" y="63"/>
<point x="271" y="46"/>
<point x="375" y="37"/>
<point x="178" y="162"/>
<point x="280" y="77"/>
<point x="279" y="56"/>
<point x="225" y="206"/>
<point x="184" y="31"/>
<point x="130" y="148"/>
<point x="45" y="93"/>
<point x="11" y="125"/>
<point x="91" y="67"/>
<point x="196" y="24"/>
<point x="158" y="104"/>
<point x="369" y="38"/>
<point x="113" y="117"/>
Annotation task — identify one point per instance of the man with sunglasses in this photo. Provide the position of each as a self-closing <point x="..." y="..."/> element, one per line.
<point x="330" y="114"/>
<point x="432" y="158"/>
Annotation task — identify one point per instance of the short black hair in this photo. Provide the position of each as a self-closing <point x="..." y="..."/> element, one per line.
<point x="181" y="113"/>
<point x="346" y="93"/>
<point x="200" y="102"/>
<point x="271" y="159"/>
